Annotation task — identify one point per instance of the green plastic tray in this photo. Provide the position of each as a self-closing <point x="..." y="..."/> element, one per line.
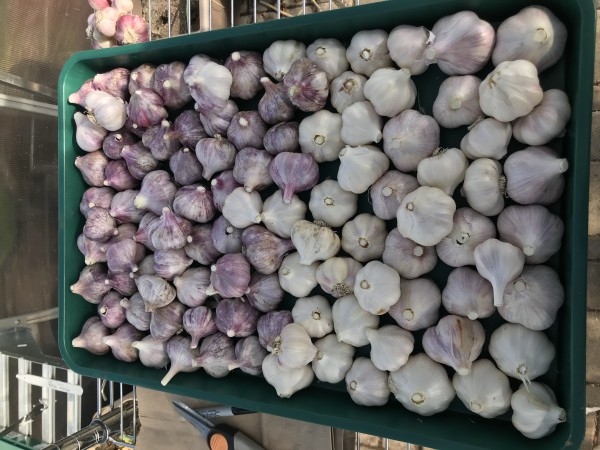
<point x="322" y="403"/>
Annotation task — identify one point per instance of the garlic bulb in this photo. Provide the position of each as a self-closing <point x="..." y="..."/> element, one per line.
<point x="366" y="384"/>
<point x="534" y="34"/>
<point x="368" y="52"/>
<point x="390" y="91"/>
<point x="546" y="121"/>
<point x="337" y="275"/>
<point x="293" y="347"/>
<point x="499" y="263"/>
<point x="535" y="175"/>
<point x="320" y="136"/>
<point x="314" y="314"/>
<point x="485" y="186"/>
<point x="422" y="386"/>
<point x="520" y="352"/>
<point x="425" y="215"/>
<point x="346" y="90"/>
<point x="314" y="242"/>
<point x="333" y="359"/>
<point x="296" y="278"/>
<point x="209" y="83"/>
<point x="534" y="298"/>
<point x="279" y="217"/>
<point x="286" y="381"/>
<point x="419" y="304"/>
<point x="510" y="91"/>
<point x="455" y="341"/>
<point x="535" y="411"/>
<point x="306" y="85"/>
<point x="377" y="287"/>
<point x="485" y="391"/>
<point x="329" y="55"/>
<point x="242" y="208"/>
<point x="360" y="167"/>
<point x="387" y="193"/>
<point x="407" y="44"/>
<point x="364" y="237"/>
<point x="350" y="321"/>
<point x="88" y="135"/>
<point x="487" y="138"/>
<point x="390" y="347"/>
<point x="105" y="110"/>
<point x="445" y="169"/>
<point x="332" y="204"/>
<point x="410" y="259"/>
<point x="533" y="229"/>
<point x="279" y="57"/>
<point x="360" y="124"/>
<point x="457" y="102"/>
<point x="468" y="294"/>
<point x="468" y="231"/>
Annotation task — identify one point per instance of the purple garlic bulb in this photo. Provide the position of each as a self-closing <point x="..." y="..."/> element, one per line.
<point x="236" y="318"/>
<point x="217" y="120"/>
<point x="199" y="322"/>
<point x="145" y="230"/>
<point x="120" y="342"/>
<point x="246" y="68"/>
<point x="115" y="141"/>
<point x="167" y="321"/>
<point x="306" y="85"/>
<point x="171" y="231"/>
<point x="93" y="197"/>
<point x="110" y="310"/>
<point x="140" y="161"/>
<point x="157" y="192"/>
<point x="146" y="108"/>
<point x="194" y="203"/>
<point x="217" y="351"/>
<point x="181" y="357"/>
<point x="230" y="276"/>
<point x="264" y="292"/>
<point x="123" y="256"/>
<point x="88" y="135"/>
<point x="135" y="312"/>
<point x="155" y="291"/>
<point x="275" y="106"/>
<point x="100" y="225"/>
<point x="388" y="192"/>
<point x="270" y="325"/>
<point x="247" y="129"/>
<point x="251" y="169"/>
<point x="185" y="167"/>
<point x="168" y="83"/>
<point x="222" y="186"/>
<point x="121" y="282"/>
<point x="200" y="247"/>
<point x="92" y="251"/>
<point x="265" y="250"/>
<point x="189" y="128"/>
<point x="78" y="97"/>
<point x="249" y="355"/>
<point x="146" y="267"/>
<point x="215" y="154"/>
<point x="115" y="82"/>
<point x="123" y="209"/>
<point x="152" y="352"/>
<point x="141" y="77"/>
<point x="133" y="128"/>
<point x="170" y="263"/>
<point x="124" y="231"/>
<point x="92" y="166"/>
<point x="282" y="137"/>
<point x="118" y="177"/>
<point x="161" y="140"/>
<point x="225" y="237"/>
<point x="191" y="286"/>
<point x="294" y="172"/>
<point x="92" y="337"/>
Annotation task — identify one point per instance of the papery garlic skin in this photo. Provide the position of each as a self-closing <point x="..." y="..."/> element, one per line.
<point x="390" y="91"/>
<point x="485" y="186"/>
<point x="387" y="193"/>
<point x="468" y="294"/>
<point x="377" y="287"/>
<point x="320" y="136"/>
<point x="364" y="237"/>
<point x="107" y="111"/>
<point x="350" y="321"/>
<point x="337" y="275"/>
<point x="279" y="57"/>
<point x="88" y="135"/>
<point x="286" y="381"/>
<point x="293" y="347"/>
<point x="457" y="102"/>
<point x="296" y="278"/>
<point x="488" y="138"/>
<point x="410" y="259"/>
<point x="445" y="169"/>
<point x="390" y="347"/>
<point x="332" y="204"/>
<point x="242" y="208"/>
<point x="407" y="45"/>
<point x="306" y="85"/>
<point x="368" y="52"/>
<point x="366" y="384"/>
<point x="329" y="55"/>
<point x="360" y="167"/>
<point x="419" y="304"/>
<point x="347" y="89"/>
<point x="547" y="120"/>
<point x="535" y="411"/>
<point x="279" y="217"/>
<point x="361" y="124"/>
<point x="314" y="242"/>
<point x="209" y="83"/>
<point x="333" y="359"/>
<point x="314" y="314"/>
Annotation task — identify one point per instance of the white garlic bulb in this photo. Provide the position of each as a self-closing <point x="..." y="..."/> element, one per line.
<point x="320" y="136"/>
<point x="390" y="347"/>
<point x="445" y="169"/>
<point x="485" y="391"/>
<point x="279" y="217"/>
<point x="105" y="110"/>
<point x="533" y="229"/>
<point x="485" y="186"/>
<point x="363" y="237"/>
<point x="314" y="242"/>
<point x="279" y="57"/>
<point x="535" y="410"/>
<point x="377" y="287"/>
<point x="387" y="193"/>
<point x="422" y="386"/>
<point x="390" y="91"/>
<point x="534" y="298"/>
<point x="468" y="294"/>
<point x="346" y="90"/>
<point x="425" y="215"/>
<point x="487" y="138"/>
<point x="510" y="91"/>
<point x="296" y="278"/>
<point x="546" y="121"/>
<point x="293" y="347"/>
<point x="242" y="208"/>
<point x="368" y="52"/>
<point x="333" y="360"/>
<point x="410" y="259"/>
<point x="535" y="175"/>
<point x="407" y="44"/>
<point x="314" y="314"/>
<point x="366" y="384"/>
<point x="209" y="83"/>
<point x="457" y="102"/>
<point x="410" y="137"/>
<point x="337" y="275"/>
<point x="499" y="263"/>
<point x="520" y="352"/>
<point x="360" y="124"/>
<point x="329" y="55"/>
<point x="332" y="204"/>
<point x="419" y="304"/>
<point x="534" y="34"/>
<point x="350" y="321"/>
<point x="468" y="231"/>
<point x="360" y="167"/>
<point x="286" y="381"/>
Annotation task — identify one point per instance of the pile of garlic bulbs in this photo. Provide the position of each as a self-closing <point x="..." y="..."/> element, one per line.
<point x="205" y="222"/>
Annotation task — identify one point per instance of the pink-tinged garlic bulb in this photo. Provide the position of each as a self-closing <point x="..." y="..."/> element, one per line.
<point x="121" y="282"/>
<point x="306" y="85"/>
<point x="247" y="129"/>
<point x="167" y="321"/>
<point x="264" y="250"/>
<point x="78" y="97"/>
<point x="221" y="186"/>
<point x="169" y="84"/>
<point x="152" y="352"/>
<point x="131" y="29"/>
<point x="246" y="69"/>
<point x="171" y="263"/>
<point x="155" y="291"/>
<point x="139" y="159"/>
<point x="92" y="166"/>
<point x="264" y="292"/>
<point x="146" y="108"/>
<point x="249" y="355"/>
<point x="106" y="21"/>
<point x="114" y="82"/>
<point x="236" y="318"/>
<point x="92" y="251"/>
<point x="251" y="169"/>
<point x="171" y="231"/>
<point x="91" y="337"/>
<point x="387" y="193"/>
<point x="157" y="192"/>
<point x="275" y="106"/>
<point x="100" y="225"/>
<point x="100" y="197"/>
<point x="199" y="322"/>
<point x="115" y="141"/>
<point x="141" y="77"/>
<point x="215" y="154"/>
<point x="124" y="256"/>
<point x="282" y="137"/>
<point x="110" y="310"/>
<point x="145" y="229"/>
<point x="191" y="286"/>
<point x="468" y="294"/>
<point x="217" y="120"/>
<point x="225" y="237"/>
<point x="161" y="140"/>
<point x="120" y="342"/>
<point x="200" y="247"/>
<point x="269" y="328"/>
<point x="181" y="357"/>
<point x="230" y="276"/>
<point x="135" y="312"/>
<point x="419" y="304"/>
<point x="189" y="128"/>
<point x="185" y="167"/>
<point x="217" y="351"/>
<point x="194" y="202"/>
<point x="118" y="177"/>
<point x="123" y="209"/>
<point x="294" y="172"/>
